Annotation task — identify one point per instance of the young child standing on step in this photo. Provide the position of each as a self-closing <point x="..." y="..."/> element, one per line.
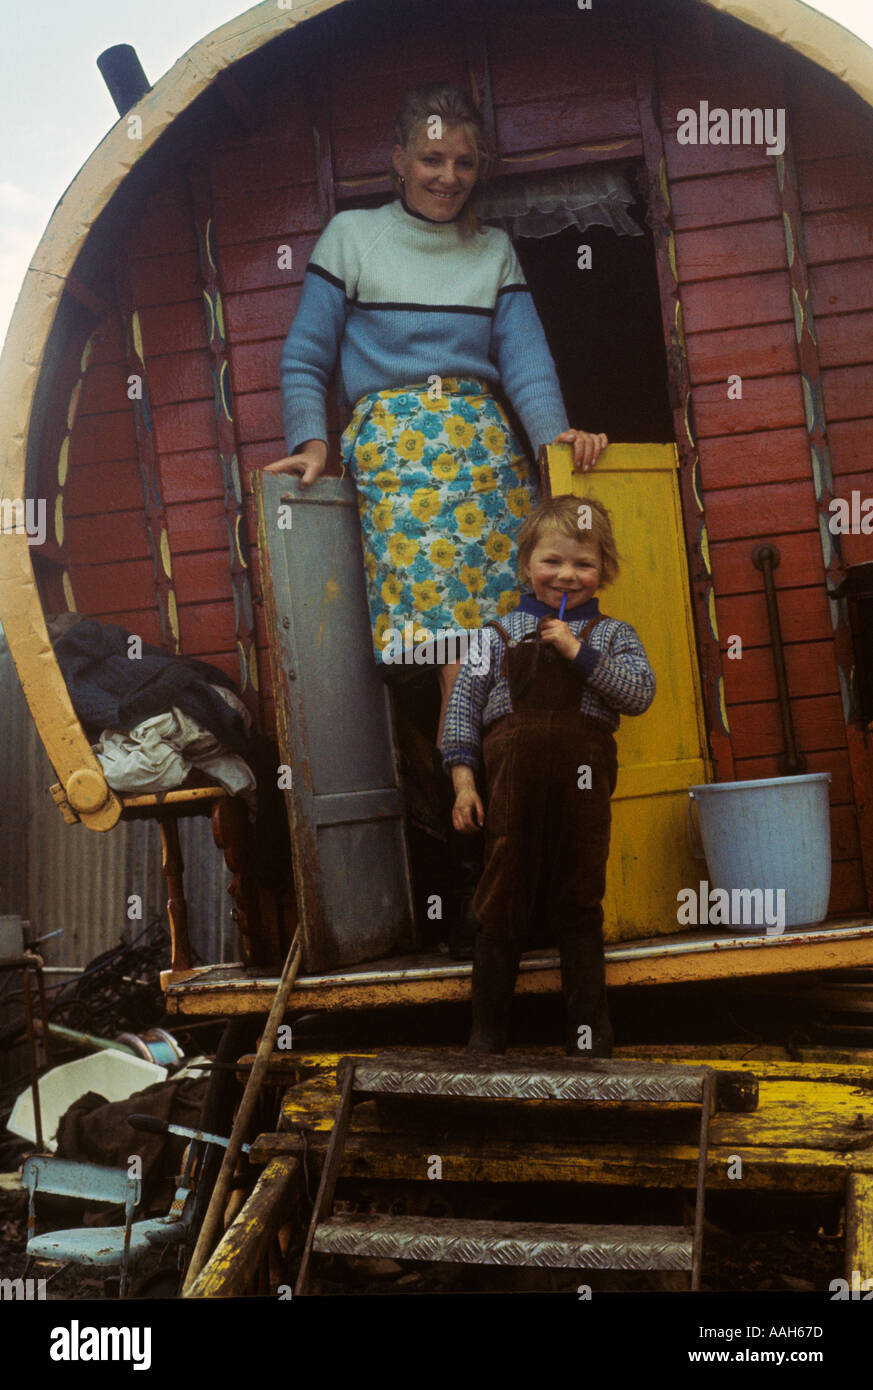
<point x="537" y="703"/>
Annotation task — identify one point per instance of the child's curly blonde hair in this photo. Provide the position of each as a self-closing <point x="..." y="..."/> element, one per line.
<point x="578" y="517"/>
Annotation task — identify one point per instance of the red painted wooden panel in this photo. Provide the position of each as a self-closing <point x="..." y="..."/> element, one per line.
<point x="267" y="314"/>
<point x="103" y="589"/>
<point x="103" y="487"/>
<point x="769" y="510"/>
<point x="841" y="182"/>
<point x="848" y="392"/>
<point x="770" y="456"/>
<point x="186" y="425"/>
<point x="259" y="416"/>
<point x="851" y="447"/>
<point x="270" y="157"/>
<point x="104" y="389"/>
<point x="818" y="724"/>
<point x="191" y="477"/>
<point x="711" y="254"/>
<point x="844" y="339"/>
<point x="810" y="667"/>
<point x="204" y="577"/>
<point x="173" y="328"/>
<point x="768" y="403"/>
<point x="736" y="197"/>
<point x="101" y="539"/>
<point x="845" y="841"/>
<point x="165" y="224"/>
<point x="165" y="279"/>
<point x="591" y="117"/>
<point x="197" y="526"/>
<point x="800" y="564"/>
<point x="848" y="894"/>
<point x="842" y="235"/>
<point x="738" y="302"/>
<point x="103" y="438"/>
<point x="141" y="622"/>
<point x="834" y="761"/>
<point x="579" y="49"/>
<point x="270" y="214"/>
<point x="829" y="120"/>
<point x="108" y="342"/>
<point x="692" y="161"/>
<point x="256" y="365"/>
<point x="179" y="376"/>
<point x="255" y="265"/>
<point x="837" y="289"/>
<point x="207" y="627"/>
<point x="758" y="351"/>
<point x="803" y="616"/>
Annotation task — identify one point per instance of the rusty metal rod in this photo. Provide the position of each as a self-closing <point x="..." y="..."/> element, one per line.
<point x="31" y="1048"/>
<point x="209" y="1230"/>
<point x="766" y="558"/>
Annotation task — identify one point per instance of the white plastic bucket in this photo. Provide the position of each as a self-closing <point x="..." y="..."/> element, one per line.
<point x="770" y="834"/>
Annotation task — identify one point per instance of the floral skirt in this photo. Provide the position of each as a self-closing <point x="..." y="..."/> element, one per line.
<point x="443" y="487"/>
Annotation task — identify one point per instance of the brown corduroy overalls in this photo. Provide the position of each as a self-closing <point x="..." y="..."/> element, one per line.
<point x="540" y="823"/>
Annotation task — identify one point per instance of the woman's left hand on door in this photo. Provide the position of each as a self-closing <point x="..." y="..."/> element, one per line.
<point x="587" y="448"/>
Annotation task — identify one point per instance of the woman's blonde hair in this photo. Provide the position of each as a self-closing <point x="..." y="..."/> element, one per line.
<point x="454" y="109"/>
<point x="577" y="517"/>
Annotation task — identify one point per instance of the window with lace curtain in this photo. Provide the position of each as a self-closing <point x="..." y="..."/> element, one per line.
<point x="603" y="324"/>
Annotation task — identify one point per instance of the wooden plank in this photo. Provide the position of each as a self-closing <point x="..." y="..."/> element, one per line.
<point x="842" y="288"/>
<point x="818" y="723"/>
<point x="228" y="990"/>
<point x="763" y="350"/>
<point x="242" y="1247"/>
<point x="859" y="1229"/>
<point x="838" y="235"/>
<point x="734" y="572"/>
<point x="718" y="253"/>
<point x="844" y="339"/>
<point x="770" y="510"/>
<point x="742" y="300"/>
<point x="772" y="402"/>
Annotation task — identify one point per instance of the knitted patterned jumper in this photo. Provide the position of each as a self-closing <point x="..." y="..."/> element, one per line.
<point x="401" y="298"/>
<point x="614" y="677"/>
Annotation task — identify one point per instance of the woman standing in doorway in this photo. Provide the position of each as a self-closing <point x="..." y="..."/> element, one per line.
<point x="428" y="311"/>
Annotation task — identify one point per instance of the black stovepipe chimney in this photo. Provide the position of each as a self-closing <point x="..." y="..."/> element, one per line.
<point x="123" y="74"/>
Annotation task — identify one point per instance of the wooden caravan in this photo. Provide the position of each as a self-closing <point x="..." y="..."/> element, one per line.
<point x="725" y="348"/>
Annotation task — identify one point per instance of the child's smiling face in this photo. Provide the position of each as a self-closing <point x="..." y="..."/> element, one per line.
<point x="560" y="564"/>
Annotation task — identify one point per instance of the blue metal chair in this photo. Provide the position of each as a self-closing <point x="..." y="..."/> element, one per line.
<point x="107" y="1247"/>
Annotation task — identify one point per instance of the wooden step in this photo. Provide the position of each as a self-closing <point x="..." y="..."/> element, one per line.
<point x="507" y="1243"/>
<point x="518" y="1077"/>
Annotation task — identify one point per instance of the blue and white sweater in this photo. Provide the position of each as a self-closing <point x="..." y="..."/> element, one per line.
<point x="400" y="298"/>
<point x="614" y="674"/>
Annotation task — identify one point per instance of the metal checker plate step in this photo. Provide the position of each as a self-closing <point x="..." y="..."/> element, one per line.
<point x="519" y="1078"/>
<point x="508" y="1243"/>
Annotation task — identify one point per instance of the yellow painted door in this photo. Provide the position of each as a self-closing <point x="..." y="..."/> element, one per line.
<point x="663" y="752"/>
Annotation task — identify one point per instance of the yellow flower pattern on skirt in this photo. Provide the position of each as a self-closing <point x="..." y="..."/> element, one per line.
<point x="443" y="487"/>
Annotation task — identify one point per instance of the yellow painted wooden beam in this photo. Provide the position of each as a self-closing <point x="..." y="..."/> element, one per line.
<point x="859" y="1228"/>
<point x="686" y="959"/>
<point x="246" y="1240"/>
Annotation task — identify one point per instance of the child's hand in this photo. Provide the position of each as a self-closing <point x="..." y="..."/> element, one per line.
<point x="559" y="636"/>
<point x="468" y="813"/>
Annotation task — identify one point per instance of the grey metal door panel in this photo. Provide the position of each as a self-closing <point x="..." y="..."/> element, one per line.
<point x="334" y="724"/>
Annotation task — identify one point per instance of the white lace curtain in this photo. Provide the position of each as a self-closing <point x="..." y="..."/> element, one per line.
<point x="539" y="205"/>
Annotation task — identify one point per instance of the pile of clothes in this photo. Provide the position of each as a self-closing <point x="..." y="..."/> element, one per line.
<point x="153" y="716"/>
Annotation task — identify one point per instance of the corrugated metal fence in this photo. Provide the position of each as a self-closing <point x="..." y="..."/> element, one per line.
<point x="70" y="878"/>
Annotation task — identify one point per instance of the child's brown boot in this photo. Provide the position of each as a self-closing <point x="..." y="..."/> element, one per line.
<point x="583" y="978"/>
<point x="495" y="966"/>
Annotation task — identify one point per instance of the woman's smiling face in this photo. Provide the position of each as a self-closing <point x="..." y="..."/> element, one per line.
<point x="439" y="174"/>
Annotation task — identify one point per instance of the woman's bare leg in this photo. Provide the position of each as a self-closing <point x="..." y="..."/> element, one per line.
<point x="447" y="674"/>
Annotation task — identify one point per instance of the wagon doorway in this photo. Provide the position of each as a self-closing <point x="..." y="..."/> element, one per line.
<point x="588" y="255"/>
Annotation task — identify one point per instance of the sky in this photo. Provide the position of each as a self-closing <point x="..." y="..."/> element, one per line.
<point x="55" y="108"/>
